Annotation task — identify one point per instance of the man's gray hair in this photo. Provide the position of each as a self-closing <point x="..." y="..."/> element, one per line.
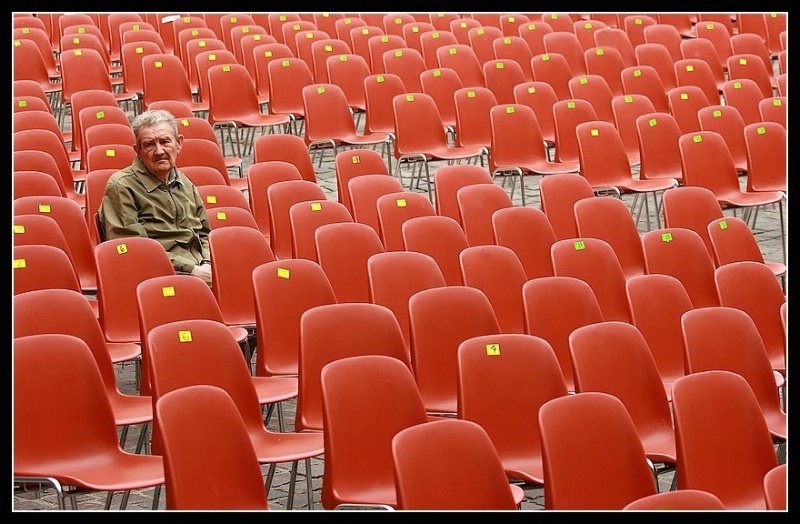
<point x="154" y="118"/>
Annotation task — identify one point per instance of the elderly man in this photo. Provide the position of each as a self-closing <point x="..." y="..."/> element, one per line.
<point x="153" y="199"/>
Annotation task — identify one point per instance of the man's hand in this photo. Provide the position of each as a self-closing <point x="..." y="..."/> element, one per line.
<point x="203" y="271"/>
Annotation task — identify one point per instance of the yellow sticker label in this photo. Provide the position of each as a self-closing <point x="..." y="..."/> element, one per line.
<point x="296" y="27"/>
<point x="184" y="336"/>
<point x="415" y="29"/>
<point x="499" y="65"/>
<point x="316" y="206"/>
<point x="599" y="52"/>
<point x="571" y="105"/>
<point x="595" y="132"/>
<point x="186" y="20"/>
<point x="221" y="215"/>
<point x="185" y="122"/>
<point x="320" y="90"/>
<point x="100" y="114"/>
<point x="122" y="249"/>
<point x="690" y="68"/>
<point x="328" y="48"/>
<point x="211" y="199"/>
<point x="78" y="52"/>
<point x="77" y="40"/>
<point x="384" y="39"/>
<point x="23" y="103"/>
<point x="697" y="138"/>
<point x="652" y="122"/>
<point x="637" y="72"/>
<point x="452" y="50"/>
<point x="212" y="57"/>
<point x="201" y="43"/>
<point x="531" y="27"/>
<point x="531" y="90"/>
<point x="398" y="53"/>
<point x="168" y="291"/>
<point x="684" y="96"/>
<point x="492" y="350"/>
<point x="195" y="32"/>
<point x="342" y="58"/>
<point x="554" y="16"/>
<point x="326" y="15"/>
<point x="435" y="35"/>
<point x="139" y="50"/>
<point x="283" y="272"/>
<point x="666" y="237"/>
<point x="19" y="229"/>
<point x="365" y="31"/>
<point x="401" y="202"/>
<point x="742" y="61"/>
<point x="761" y="130"/>
<point x="481" y="31"/>
<point x="282" y="18"/>
<point x="111" y="152"/>
<point x="579" y="245"/>
<point x="710" y="26"/>
<point x="309" y="35"/>
<point x="25" y="31"/>
<point x="356" y="159"/>
<point x="723" y="224"/>
<point x="463" y="25"/>
<point x="737" y="85"/>
<point x="159" y="64"/>
<point x="285" y="63"/>
<point x="587" y="25"/>
<point x="509" y="110"/>
<point x="637" y="21"/>
<point x="256" y="37"/>
<point x="717" y="113"/>
<point x="245" y="29"/>
<point x="777" y="102"/>
<point x="512" y="19"/>
<point x="628" y="99"/>
<point x="268" y="53"/>
<point x="44" y="208"/>
<point x="226" y="67"/>
<point x="19" y="263"/>
<point x="409" y="98"/>
<point x="583" y="80"/>
<point x="398" y="21"/>
<point x="348" y="21"/>
<point x="379" y="78"/>
<point x="506" y="41"/>
<point x="470" y="94"/>
<point x="545" y="58"/>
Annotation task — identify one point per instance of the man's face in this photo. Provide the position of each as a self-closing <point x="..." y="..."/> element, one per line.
<point x="158" y="149"/>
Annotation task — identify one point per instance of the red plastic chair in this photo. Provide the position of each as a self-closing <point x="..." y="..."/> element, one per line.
<point x="442" y="238"/>
<point x="527" y="232"/>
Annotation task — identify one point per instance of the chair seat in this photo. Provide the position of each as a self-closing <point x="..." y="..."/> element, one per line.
<point x="131" y="409"/>
<point x="299" y="447"/>
<point x="275" y="389"/>
<point x="123" y="351"/>
<point x="734" y="198"/>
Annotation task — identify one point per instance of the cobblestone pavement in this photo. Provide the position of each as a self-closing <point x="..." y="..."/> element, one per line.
<point x="767" y="232"/>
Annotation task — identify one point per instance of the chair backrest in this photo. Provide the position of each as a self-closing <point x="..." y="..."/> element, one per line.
<point x="567" y="45"/>
<point x="617" y="38"/>
<point x="483" y="475"/>
<point x="231" y="94"/>
<point x="584" y="29"/>
<point x="476" y="204"/>
<point x="480" y="40"/>
<point x="430" y="41"/>
<point x="549" y="316"/>
<point x="281" y="196"/>
<point x="328" y="115"/>
<point x="222" y="195"/>
<point x="287" y="77"/>
<point x="692" y="207"/>
<point x="396" y="208"/>
<point x="306" y="217"/>
<point x="354" y="163"/>
<point x="659" y="155"/>
<point x="751" y="66"/>
<point x="407" y="63"/>
<point x="745" y="95"/>
<point x="485" y="363"/>
<point x="567" y="115"/>
<point x="263" y="54"/>
<point x="344" y="250"/>
<point x="627" y="108"/>
<point x="753" y="288"/>
<point x="732" y="240"/>
<point x="204" y="60"/>
<point x="707" y="162"/>
<point x="503" y="289"/>
<point x="766" y="145"/>
<point x="665" y="34"/>
<point x="359" y="39"/>
<point x="680" y="253"/>
<point x="514" y="47"/>
<point x="364" y="191"/>
<point x="189" y="421"/>
<point x="540" y="97"/>
<point x="379" y="91"/>
<point x="774" y="109"/>
<point x="577" y="427"/>
<point x="775" y="484"/>
<point x="232" y="270"/>
<point x="776" y="24"/>
<point x="421" y="272"/>
<point x="594" y="261"/>
<point x="595" y="90"/>
<point x="287" y="148"/>
<point x="71" y="220"/>
<point x="33" y="183"/>
<point x="366" y="400"/>
<point x="442" y="238"/>
<point x="644" y="80"/>
<point x="378" y="334"/>
<point x="41" y="266"/>
<point x="131" y="57"/>
<point x="277" y="20"/>
<point x="728" y="123"/>
<point x="603" y="352"/>
<point x="441" y="84"/>
<point x="610" y="219"/>
<point x="440" y="319"/>
<point x="501" y="75"/>
<point x="607" y="62"/>
<point x="419" y="127"/>
<point x="109" y="156"/>
<point x="697" y="72"/>
<point x="716" y="406"/>
<point x="41" y="161"/>
<point x="656" y="304"/>
<point x="321" y="50"/>
<point x="554" y="69"/>
<point x="526" y="231"/>
<point x="87" y="430"/>
<point x="449" y="179"/>
<point x="377" y="45"/>
<point x="165" y="78"/>
<point x="703" y="49"/>
<point x="461" y="26"/>
<point x="283" y="291"/>
<point x="558" y="196"/>
<point x="684" y="102"/>
<point x="464" y="61"/>
<point x="684" y="499"/>
<point x="348" y="71"/>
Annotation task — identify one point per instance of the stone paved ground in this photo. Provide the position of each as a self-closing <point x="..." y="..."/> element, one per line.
<point x="767" y="233"/>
